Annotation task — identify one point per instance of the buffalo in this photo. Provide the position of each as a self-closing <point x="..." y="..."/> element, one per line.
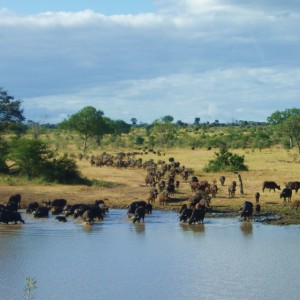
<point x="139" y="214"/>
<point x="32" y="207"/>
<point x="134" y="205"/>
<point x="197" y="216"/>
<point x="222" y="180"/>
<point x="294" y="185"/>
<point x="271" y="185"/>
<point x="286" y="193"/>
<point x="15" y="199"/>
<point x="232" y="189"/>
<point x="247" y="211"/>
<point x="7" y="216"/>
<point x="41" y="212"/>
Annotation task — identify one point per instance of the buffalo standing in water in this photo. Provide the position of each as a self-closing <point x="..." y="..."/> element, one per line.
<point x="139" y="214"/>
<point x="7" y="216"/>
<point x="247" y="211"/>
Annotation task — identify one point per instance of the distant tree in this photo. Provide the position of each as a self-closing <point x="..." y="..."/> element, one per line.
<point x="179" y="123"/>
<point x="291" y="127"/>
<point x="88" y="122"/>
<point x="36" y="128"/>
<point x="119" y="126"/>
<point x="197" y="121"/>
<point x="164" y="132"/>
<point x="279" y="116"/>
<point x="133" y="121"/>
<point x="10" y="111"/>
<point x="167" y="118"/>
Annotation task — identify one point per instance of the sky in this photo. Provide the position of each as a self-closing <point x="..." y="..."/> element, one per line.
<point x="223" y="60"/>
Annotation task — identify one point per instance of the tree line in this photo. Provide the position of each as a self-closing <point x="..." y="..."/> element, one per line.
<point x="34" y="156"/>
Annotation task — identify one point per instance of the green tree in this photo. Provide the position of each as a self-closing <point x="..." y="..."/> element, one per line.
<point x="3" y="153"/>
<point x="30" y="156"/>
<point x="291" y="127"/>
<point x="226" y="161"/>
<point x="279" y="116"/>
<point x="10" y="111"/>
<point x="119" y="126"/>
<point x="88" y="122"/>
<point x="164" y="132"/>
<point x="167" y="119"/>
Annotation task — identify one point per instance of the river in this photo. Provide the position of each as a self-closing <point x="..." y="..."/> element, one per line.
<point x="161" y="259"/>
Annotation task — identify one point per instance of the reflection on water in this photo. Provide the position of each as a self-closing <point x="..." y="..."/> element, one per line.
<point x="197" y="228"/>
<point x="158" y="259"/>
<point x="246" y="228"/>
<point x="139" y="227"/>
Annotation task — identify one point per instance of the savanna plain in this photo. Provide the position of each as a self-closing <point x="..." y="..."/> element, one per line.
<point x="120" y="186"/>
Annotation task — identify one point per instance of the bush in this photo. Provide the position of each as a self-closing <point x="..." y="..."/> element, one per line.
<point x="226" y="161"/>
<point x="62" y="170"/>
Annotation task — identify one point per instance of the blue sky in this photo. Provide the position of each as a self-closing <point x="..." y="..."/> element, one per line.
<point x="220" y="60"/>
<point x="109" y="7"/>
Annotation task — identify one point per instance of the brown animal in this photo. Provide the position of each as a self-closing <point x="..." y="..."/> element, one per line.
<point x="232" y="189"/>
<point x="296" y="204"/>
<point x="163" y="198"/>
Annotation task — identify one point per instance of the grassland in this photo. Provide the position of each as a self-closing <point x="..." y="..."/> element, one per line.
<point x="118" y="187"/>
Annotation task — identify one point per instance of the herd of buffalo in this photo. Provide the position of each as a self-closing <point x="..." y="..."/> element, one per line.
<point x="163" y="179"/>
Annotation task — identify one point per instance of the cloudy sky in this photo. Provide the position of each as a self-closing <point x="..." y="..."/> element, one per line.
<point x="220" y="60"/>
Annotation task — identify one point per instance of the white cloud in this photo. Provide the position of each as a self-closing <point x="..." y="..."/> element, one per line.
<point x="213" y="59"/>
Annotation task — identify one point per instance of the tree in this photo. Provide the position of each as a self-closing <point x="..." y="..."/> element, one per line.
<point x="279" y="116"/>
<point x="29" y="156"/>
<point x="226" y="161"/>
<point x="10" y="111"/>
<point x="291" y="127"/>
<point x="167" y="119"/>
<point x="197" y="121"/>
<point x="88" y="122"/>
<point x="3" y="153"/>
<point x="119" y="126"/>
<point x="164" y="132"/>
<point x="133" y="121"/>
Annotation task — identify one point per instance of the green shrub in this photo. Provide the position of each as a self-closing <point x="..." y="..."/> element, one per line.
<point x="226" y="161"/>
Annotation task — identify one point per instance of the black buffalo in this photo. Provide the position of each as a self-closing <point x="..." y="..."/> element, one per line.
<point x="197" y="216"/>
<point x="139" y="214"/>
<point x="271" y="185"/>
<point x="185" y="214"/>
<point x="41" y="212"/>
<point x="293" y="185"/>
<point x="7" y="216"/>
<point x="286" y="193"/>
<point x="62" y="219"/>
<point x="32" y="207"/>
<point x="247" y="211"/>
<point x="15" y="199"/>
<point x="71" y="209"/>
<point x="134" y="205"/>
<point x="95" y="212"/>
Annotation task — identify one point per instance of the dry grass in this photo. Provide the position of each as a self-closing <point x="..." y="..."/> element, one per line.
<point x="126" y="185"/>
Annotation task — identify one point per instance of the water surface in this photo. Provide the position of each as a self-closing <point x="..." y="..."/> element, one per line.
<point x="161" y="259"/>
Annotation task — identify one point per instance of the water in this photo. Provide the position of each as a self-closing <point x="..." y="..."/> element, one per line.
<point x="161" y="259"/>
